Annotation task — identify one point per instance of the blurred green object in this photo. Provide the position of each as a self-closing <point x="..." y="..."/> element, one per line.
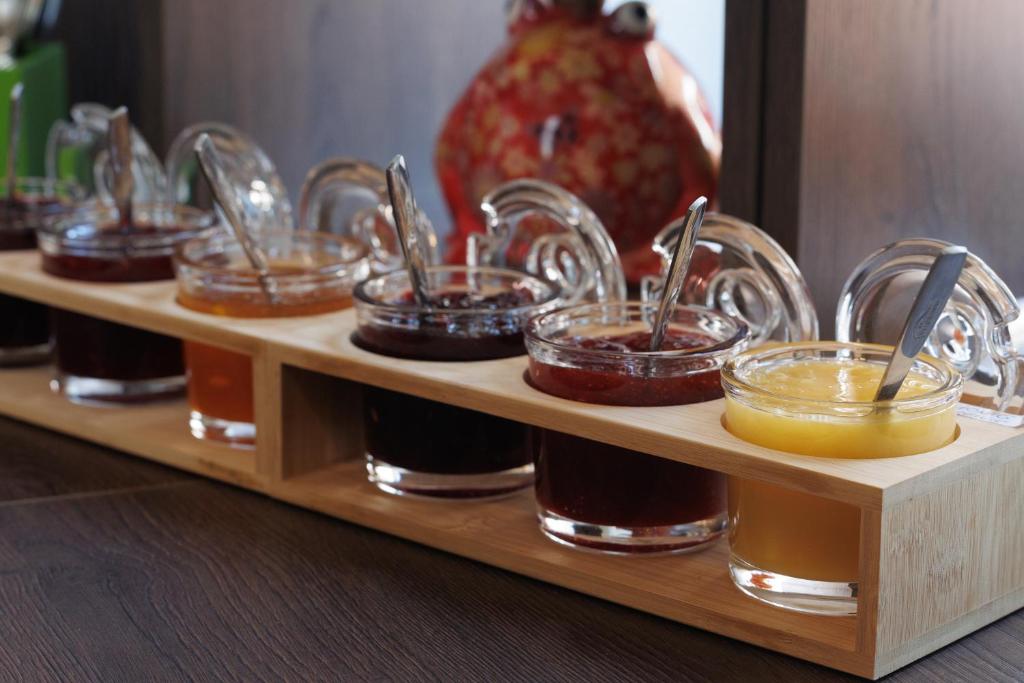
<point x="42" y="69"/>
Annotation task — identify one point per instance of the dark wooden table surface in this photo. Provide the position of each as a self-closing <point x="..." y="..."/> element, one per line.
<point x="112" y="568"/>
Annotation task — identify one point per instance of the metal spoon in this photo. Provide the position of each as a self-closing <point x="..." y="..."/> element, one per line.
<point x="212" y="166"/>
<point x="13" y="134"/>
<point x="119" y="147"/>
<point x="403" y="205"/>
<point x="677" y="271"/>
<point x="924" y="313"/>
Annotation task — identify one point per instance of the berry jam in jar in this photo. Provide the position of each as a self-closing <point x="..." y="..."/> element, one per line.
<point x="613" y="499"/>
<point x="99" y="360"/>
<point x="417" y="446"/>
<point x="25" y="329"/>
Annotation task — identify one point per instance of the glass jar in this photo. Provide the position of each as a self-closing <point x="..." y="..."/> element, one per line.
<point x="103" y="361"/>
<point x="418" y="446"/>
<point x="312" y="273"/>
<point x="613" y="499"/>
<point x="477" y="312"/>
<point x="791" y="548"/>
<point x="25" y="331"/>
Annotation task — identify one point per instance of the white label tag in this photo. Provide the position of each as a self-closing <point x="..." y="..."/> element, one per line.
<point x="989" y="415"/>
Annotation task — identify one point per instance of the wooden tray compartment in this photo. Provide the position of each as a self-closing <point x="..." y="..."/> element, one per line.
<point x="942" y="547"/>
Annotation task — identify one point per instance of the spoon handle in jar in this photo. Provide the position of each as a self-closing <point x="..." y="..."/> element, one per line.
<point x="924" y="313"/>
<point x="212" y="166"/>
<point x="119" y="146"/>
<point x="13" y="133"/>
<point x="677" y="271"/>
<point x="403" y="206"/>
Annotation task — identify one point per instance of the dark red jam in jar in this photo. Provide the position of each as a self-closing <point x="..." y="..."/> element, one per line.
<point x="614" y="499"/>
<point x="99" y="360"/>
<point x="459" y="323"/>
<point x="417" y="446"/>
<point x="24" y="326"/>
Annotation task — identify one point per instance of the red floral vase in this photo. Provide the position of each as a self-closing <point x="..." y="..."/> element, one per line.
<point x="589" y="101"/>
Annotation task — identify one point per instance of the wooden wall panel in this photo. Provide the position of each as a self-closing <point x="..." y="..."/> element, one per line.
<point x="913" y="125"/>
<point x="740" y="190"/>
<point x="311" y="79"/>
<point x="114" y="57"/>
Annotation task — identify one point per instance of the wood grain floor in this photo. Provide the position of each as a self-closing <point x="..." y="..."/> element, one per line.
<point x="116" y="569"/>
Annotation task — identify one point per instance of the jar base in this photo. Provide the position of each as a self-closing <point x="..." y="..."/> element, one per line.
<point x="94" y="390"/>
<point x="14" y="356"/>
<point x="835" y="598"/>
<point x="402" y="482"/>
<point x="240" y="435"/>
<point x="616" y="540"/>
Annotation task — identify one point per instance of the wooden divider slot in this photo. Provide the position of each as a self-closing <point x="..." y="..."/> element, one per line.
<point x="322" y="421"/>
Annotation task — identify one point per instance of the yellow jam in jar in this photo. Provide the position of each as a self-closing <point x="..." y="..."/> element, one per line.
<point x="861" y="431"/>
<point x="816" y="399"/>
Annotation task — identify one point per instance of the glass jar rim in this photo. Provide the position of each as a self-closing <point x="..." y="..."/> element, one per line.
<point x="738" y="337"/>
<point x="733" y="383"/>
<point x="208" y="236"/>
<point x="188" y="220"/>
<point x="362" y="297"/>
<point x="56" y="188"/>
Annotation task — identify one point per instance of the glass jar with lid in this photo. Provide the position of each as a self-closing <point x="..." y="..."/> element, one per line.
<point x="313" y="272"/>
<point x="25" y="332"/>
<point x="742" y="289"/>
<point x="615" y="499"/>
<point x="98" y="360"/>
<point x="795" y="549"/>
<point x="476" y="312"/>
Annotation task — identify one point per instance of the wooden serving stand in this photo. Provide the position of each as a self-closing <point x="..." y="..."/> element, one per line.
<point x="942" y="538"/>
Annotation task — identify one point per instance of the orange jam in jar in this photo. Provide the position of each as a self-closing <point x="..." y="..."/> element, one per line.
<point x="310" y="274"/>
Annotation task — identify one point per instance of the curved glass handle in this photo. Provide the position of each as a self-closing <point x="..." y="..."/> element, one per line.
<point x="580" y="257"/>
<point x="741" y="271"/>
<point x="91" y="115"/>
<point x="260" y="196"/>
<point x="77" y="150"/>
<point x="69" y="153"/>
<point x="349" y="197"/>
<point x="973" y="333"/>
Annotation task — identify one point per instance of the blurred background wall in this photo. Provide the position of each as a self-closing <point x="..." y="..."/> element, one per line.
<point x="310" y="79"/>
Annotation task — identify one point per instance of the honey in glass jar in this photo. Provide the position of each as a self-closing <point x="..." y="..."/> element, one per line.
<point x="311" y="273"/>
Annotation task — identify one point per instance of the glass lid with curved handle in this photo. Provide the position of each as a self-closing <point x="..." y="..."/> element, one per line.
<point x="349" y="197"/>
<point x="260" y="196"/>
<point x="77" y="150"/>
<point x="547" y="231"/>
<point x="973" y="334"/>
<point x="739" y="270"/>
